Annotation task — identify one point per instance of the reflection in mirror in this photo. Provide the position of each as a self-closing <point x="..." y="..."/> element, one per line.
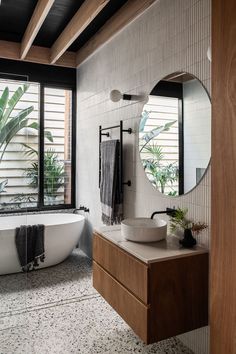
<point x="175" y="134"/>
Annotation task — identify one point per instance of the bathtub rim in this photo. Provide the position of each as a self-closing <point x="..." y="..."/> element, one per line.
<point x="78" y="218"/>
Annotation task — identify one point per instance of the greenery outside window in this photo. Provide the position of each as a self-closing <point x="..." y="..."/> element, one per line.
<point x="36" y="146"/>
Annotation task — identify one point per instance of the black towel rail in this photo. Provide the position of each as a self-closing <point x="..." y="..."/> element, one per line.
<point x="107" y="134"/>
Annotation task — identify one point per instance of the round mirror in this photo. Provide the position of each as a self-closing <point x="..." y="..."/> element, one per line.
<point x="175" y="134"/>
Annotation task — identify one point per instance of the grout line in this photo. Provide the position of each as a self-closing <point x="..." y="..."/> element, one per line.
<point x="48" y="305"/>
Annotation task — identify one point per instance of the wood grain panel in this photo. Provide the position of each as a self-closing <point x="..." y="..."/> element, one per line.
<point x="41" y="55"/>
<point x="128" y="270"/>
<point x="223" y="241"/>
<point x="40" y="13"/>
<point x="134" y="313"/>
<point x="178" y="291"/>
<point x="83" y="17"/>
<point x="116" y="23"/>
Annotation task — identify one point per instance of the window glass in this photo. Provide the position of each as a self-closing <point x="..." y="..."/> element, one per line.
<point x="57" y="147"/>
<point x="160" y="156"/>
<point x="19" y="136"/>
<point x="20" y="131"/>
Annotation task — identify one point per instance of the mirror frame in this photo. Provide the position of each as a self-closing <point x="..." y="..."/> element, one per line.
<point x="209" y="163"/>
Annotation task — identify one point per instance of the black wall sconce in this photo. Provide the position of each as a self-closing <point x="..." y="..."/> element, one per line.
<point x="116" y="96"/>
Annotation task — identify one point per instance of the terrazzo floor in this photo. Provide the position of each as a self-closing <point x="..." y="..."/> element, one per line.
<point x="56" y="310"/>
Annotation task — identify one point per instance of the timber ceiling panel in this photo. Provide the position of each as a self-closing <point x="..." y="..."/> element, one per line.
<point x="62" y="32"/>
<point x="15" y="16"/>
<point x="112" y="7"/>
<point x="59" y="16"/>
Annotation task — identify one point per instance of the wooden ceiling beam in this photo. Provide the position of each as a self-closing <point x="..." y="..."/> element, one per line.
<point x="40" y="55"/>
<point x="40" y="13"/>
<point x="83" y="17"/>
<point x="127" y="13"/>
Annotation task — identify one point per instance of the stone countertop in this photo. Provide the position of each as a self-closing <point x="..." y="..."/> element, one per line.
<point x="152" y="251"/>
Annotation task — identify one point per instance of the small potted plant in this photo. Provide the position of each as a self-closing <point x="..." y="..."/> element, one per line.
<point x="179" y="221"/>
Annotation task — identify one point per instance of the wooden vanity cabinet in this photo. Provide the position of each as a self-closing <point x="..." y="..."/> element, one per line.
<point x="157" y="300"/>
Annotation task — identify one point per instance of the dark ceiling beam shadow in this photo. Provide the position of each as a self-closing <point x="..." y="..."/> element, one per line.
<point x="83" y="17"/>
<point x="36" y="54"/>
<point x="40" y="13"/>
<point x="127" y="13"/>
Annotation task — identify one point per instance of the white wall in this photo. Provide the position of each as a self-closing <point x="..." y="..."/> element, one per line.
<point x="197" y="131"/>
<point x="169" y="37"/>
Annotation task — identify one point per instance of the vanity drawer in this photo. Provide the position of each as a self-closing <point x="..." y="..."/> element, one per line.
<point x="125" y="268"/>
<point x="134" y="312"/>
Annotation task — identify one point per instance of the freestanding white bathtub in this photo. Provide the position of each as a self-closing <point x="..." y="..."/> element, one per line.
<point x="62" y="233"/>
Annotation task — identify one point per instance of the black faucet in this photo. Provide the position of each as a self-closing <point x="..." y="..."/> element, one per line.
<point x="86" y="210"/>
<point x="168" y="211"/>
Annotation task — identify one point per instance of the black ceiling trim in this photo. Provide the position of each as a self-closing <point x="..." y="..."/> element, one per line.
<point x="48" y="74"/>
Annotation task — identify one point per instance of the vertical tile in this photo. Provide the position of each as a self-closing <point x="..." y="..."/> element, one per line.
<point x="170" y="36"/>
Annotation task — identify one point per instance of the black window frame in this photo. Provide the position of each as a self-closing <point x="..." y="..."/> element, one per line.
<point x="67" y="82"/>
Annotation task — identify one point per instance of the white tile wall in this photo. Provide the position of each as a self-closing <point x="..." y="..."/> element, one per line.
<point x="197" y="131"/>
<point x="170" y="36"/>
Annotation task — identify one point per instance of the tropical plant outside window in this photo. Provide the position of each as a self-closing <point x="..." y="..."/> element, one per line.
<point x="19" y="145"/>
<point x="58" y="155"/>
<point x="159" y="158"/>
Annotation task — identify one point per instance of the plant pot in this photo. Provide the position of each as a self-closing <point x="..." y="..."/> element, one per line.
<point x="188" y="241"/>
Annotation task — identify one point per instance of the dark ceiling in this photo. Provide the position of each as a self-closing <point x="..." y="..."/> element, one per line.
<point x="15" y="16"/>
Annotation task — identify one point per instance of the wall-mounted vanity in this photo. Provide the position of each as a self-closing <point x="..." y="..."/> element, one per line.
<point x="159" y="289"/>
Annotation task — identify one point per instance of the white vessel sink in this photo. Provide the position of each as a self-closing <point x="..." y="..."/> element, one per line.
<point x="144" y="229"/>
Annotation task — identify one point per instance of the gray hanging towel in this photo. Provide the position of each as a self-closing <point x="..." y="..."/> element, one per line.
<point x="29" y="240"/>
<point x="110" y="189"/>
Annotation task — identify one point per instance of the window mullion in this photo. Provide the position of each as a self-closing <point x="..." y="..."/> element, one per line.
<point x="41" y="149"/>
